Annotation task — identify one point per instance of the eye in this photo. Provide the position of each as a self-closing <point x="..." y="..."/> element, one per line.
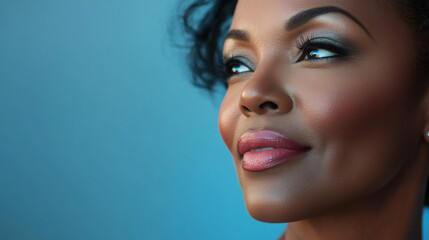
<point x="234" y="66"/>
<point x="318" y="53"/>
<point x="319" y="49"/>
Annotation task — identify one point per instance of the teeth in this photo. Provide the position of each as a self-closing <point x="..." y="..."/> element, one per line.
<point x="261" y="149"/>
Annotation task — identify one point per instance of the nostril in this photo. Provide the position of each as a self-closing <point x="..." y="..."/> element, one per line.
<point x="246" y="109"/>
<point x="269" y="105"/>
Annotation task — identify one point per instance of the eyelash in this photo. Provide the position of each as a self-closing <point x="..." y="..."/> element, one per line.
<point x="305" y="46"/>
<point x="230" y="62"/>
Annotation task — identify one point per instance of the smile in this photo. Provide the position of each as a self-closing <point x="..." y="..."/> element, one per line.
<point x="266" y="149"/>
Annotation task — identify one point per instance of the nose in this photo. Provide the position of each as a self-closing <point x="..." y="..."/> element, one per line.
<point x="265" y="94"/>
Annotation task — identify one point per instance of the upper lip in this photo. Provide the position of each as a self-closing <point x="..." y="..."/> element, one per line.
<point x="266" y="139"/>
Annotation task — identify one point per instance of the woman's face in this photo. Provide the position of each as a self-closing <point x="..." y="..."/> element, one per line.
<point x="320" y="109"/>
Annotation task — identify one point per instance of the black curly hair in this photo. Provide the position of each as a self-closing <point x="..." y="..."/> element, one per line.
<point x="206" y="23"/>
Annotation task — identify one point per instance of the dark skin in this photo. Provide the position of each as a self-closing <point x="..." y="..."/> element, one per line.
<point x="354" y="106"/>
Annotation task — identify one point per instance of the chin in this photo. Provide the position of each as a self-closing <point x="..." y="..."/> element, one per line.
<point x="271" y="210"/>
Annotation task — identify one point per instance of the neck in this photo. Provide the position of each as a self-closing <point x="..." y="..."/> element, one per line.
<point x="394" y="212"/>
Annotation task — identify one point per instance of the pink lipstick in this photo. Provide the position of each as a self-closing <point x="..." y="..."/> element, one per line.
<point x="266" y="149"/>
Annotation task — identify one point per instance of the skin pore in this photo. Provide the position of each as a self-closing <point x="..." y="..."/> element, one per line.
<point x="337" y="76"/>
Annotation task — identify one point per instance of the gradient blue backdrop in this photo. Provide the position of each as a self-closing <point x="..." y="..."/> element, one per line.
<point x="101" y="134"/>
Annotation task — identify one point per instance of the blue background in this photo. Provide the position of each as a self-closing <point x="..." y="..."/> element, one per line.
<point x="101" y="134"/>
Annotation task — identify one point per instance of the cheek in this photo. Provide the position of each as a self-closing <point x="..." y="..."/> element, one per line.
<point x="344" y="103"/>
<point x="363" y="125"/>
<point x="228" y="117"/>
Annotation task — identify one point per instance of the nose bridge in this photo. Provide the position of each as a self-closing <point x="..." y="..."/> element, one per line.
<point x="266" y="92"/>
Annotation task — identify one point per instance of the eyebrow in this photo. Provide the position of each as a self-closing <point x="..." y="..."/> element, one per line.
<point x="305" y="16"/>
<point x="300" y="19"/>
<point x="239" y="35"/>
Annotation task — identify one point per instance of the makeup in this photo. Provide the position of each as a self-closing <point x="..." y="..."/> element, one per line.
<point x="266" y="149"/>
<point x="310" y="46"/>
<point x="234" y="65"/>
<point x="322" y="119"/>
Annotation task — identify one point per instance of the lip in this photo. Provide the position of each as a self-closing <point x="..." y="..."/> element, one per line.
<point x="272" y="149"/>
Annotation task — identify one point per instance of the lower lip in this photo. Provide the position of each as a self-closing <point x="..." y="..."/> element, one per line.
<point x="259" y="161"/>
